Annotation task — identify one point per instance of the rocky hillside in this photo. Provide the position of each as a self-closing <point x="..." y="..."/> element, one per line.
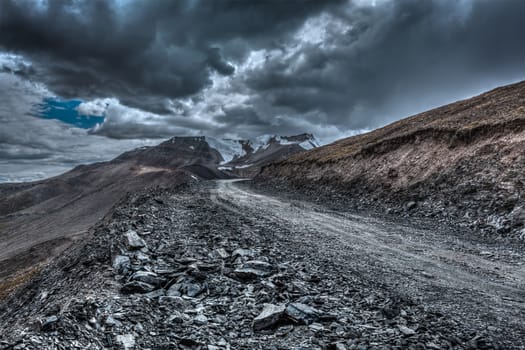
<point x="38" y="220"/>
<point x="461" y="161"/>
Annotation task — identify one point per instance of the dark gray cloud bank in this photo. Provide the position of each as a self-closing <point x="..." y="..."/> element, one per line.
<point x="244" y="68"/>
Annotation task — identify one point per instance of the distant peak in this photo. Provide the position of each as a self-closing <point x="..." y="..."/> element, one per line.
<point x="187" y="138"/>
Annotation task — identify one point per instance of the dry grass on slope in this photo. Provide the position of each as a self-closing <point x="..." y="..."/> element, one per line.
<point x="463" y="160"/>
<point x="501" y="110"/>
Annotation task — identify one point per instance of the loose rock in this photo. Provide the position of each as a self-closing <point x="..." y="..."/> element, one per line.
<point x="269" y="317"/>
<point x="302" y="313"/>
<point x="134" y="241"/>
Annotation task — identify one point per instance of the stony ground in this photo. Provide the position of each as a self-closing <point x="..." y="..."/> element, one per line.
<point x="218" y="267"/>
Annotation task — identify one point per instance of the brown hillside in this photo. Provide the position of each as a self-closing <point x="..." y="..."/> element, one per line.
<point x="465" y="159"/>
<point x="38" y="220"/>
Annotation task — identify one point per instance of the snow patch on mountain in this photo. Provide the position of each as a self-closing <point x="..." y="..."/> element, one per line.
<point x="228" y="148"/>
<point x="306" y="141"/>
<point x="232" y="149"/>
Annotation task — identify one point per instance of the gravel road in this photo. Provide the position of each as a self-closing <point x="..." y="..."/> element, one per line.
<point x="219" y="265"/>
<point x="480" y="283"/>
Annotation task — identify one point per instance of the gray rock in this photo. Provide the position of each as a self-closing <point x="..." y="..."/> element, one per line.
<point x="49" y="323"/>
<point x="147" y="277"/>
<point x="411" y="205"/>
<point x="253" y="269"/>
<point x="269" y="317"/>
<point x="174" y="290"/>
<point x="243" y="252"/>
<point x="137" y="287"/>
<point x="127" y="341"/>
<point x="155" y="294"/>
<point x="121" y="264"/>
<point x="406" y="331"/>
<point x="134" y="241"/>
<point x="339" y="346"/>
<point x="186" y="288"/>
<point x="186" y="260"/>
<point x="177" y="317"/>
<point x="302" y="313"/>
<point x="222" y="253"/>
<point x="246" y="274"/>
<point x="316" y="327"/>
<point x="192" y="289"/>
<point x="112" y="322"/>
<point x="200" y="320"/>
<point x="517" y="216"/>
<point x="258" y="265"/>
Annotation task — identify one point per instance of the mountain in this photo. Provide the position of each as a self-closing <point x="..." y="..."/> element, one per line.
<point x="265" y="150"/>
<point x="38" y="220"/>
<point x="462" y="161"/>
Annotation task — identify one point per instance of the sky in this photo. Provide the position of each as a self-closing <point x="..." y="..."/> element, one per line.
<point x="84" y="80"/>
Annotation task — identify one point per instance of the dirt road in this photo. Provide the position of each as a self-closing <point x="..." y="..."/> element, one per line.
<point x="480" y="283"/>
<point x="223" y="266"/>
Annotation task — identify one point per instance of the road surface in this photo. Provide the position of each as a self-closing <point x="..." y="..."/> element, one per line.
<point x="478" y="282"/>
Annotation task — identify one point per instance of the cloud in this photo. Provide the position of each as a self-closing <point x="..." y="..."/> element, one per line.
<point x="142" y="52"/>
<point x="32" y="148"/>
<point x="155" y="69"/>
<point x="354" y="68"/>
<point x="96" y="107"/>
<point x="16" y="64"/>
<point x="378" y="63"/>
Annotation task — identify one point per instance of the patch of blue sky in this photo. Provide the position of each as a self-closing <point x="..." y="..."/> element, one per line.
<point x="66" y="112"/>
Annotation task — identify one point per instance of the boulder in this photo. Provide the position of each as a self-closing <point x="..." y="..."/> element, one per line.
<point x="148" y="277"/>
<point x="121" y="264"/>
<point x="406" y="331"/>
<point x="49" y="323"/>
<point x="253" y="269"/>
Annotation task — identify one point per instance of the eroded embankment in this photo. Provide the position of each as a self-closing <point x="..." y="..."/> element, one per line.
<point x="479" y="183"/>
<point x="462" y="162"/>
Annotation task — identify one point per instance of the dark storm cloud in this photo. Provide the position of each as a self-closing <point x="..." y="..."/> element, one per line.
<point x="142" y="51"/>
<point x="397" y="57"/>
<point x="355" y="66"/>
<point x="239" y="116"/>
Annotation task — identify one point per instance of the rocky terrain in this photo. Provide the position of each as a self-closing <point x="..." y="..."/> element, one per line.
<point x="39" y="220"/>
<point x="462" y="162"/>
<point x="206" y="266"/>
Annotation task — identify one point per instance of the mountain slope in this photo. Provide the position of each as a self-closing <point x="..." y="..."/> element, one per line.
<point x="464" y="160"/>
<point x="38" y="220"/>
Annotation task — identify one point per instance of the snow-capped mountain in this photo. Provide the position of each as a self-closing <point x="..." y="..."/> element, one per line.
<point x="238" y="153"/>
<point x="246" y="157"/>
<point x="229" y="148"/>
